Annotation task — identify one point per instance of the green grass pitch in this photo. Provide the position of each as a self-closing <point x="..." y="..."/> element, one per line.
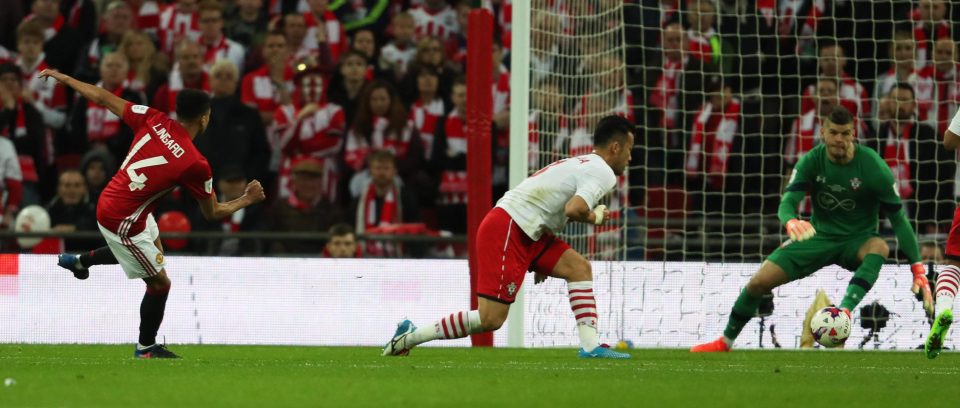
<point x="235" y="376"/>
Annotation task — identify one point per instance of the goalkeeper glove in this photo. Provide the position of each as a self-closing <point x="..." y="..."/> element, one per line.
<point x="800" y="230"/>
<point x="921" y="287"/>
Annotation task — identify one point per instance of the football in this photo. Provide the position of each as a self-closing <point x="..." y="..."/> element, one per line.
<point x="830" y="327"/>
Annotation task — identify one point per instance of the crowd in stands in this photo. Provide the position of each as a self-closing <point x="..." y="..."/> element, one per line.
<point x="354" y="111"/>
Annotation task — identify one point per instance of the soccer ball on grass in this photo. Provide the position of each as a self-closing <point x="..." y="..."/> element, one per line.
<point x="830" y="327"/>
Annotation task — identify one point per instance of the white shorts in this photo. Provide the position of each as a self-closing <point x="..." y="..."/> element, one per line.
<point x="138" y="255"/>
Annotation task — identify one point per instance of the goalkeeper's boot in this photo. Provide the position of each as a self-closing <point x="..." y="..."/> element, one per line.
<point x="69" y="262"/>
<point x="938" y="333"/>
<point x="603" y="352"/>
<point x="716" y="346"/>
<point x="154" y="351"/>
<point x="397" y="346"/>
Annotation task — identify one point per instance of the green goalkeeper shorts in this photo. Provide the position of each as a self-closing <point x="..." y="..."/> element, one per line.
<point x="802" y="259"/>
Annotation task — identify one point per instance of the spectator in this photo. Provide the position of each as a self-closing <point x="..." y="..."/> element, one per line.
<point x="382" y="122"/>
<point x="247" y="24"/>
<point x="116" y="21"/>
<point x="235" y="134"/>
<point x="231" y="182"/>
<point x="217" y="46"/>
<point x="395" y="57"/>
<point x="48" y="97"/>
<point x="429" y="53"/>
<point x="382" y="200"/>
<point x="713" y="140"/>
<point x="62" y="36"/>
<point x="546" y="120"/>
<point x="805" y="133"/>
<point x="365" y="42"/>
<point x="94" y="125"/>
<point x="148" y="68"/>
<point x="435" y="18"/>
<point x="930" y="25"/>
<point x="146" y="14"/>
<point x="177" y="23"/>
<point x="922" y="169"/>
<point x="544" y="47"/>
<point x="930" y="251"/>
<point x="346" y="87"/>
<point x="940" y="82"/>
<point x="71" y="210"/>
<point x="342" y="243"/>
<point x="269" y="86"/>
<point x="321" y="18"/>
<point x="704" y="41"/>
<point x="98" y="168"/>
<point x="11" y="178"/>
<point x="832" y="63"/>
<point x="428" y="108"/>
<point x="664" y="95"/>
<point x="450" y="153"/>
<point x="21" y="123"/>
<point x="456" y="47"/>
<point x="304" y="210"/>
<point x="310" y="127"/>
<point x="295" y="29"/>
<point x="188" y="74"/>
<point x="903" y="49"/>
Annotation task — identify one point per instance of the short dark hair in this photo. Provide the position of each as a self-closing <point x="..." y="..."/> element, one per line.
<point x="611" y="127"/>
<point x="11" y="68"/>
<point x="339" y="230"/>
<point x="904" y="85"/>
<point x="382" y="156"/>
<point x="840" y="116"/>
<point x="192" y="104"/>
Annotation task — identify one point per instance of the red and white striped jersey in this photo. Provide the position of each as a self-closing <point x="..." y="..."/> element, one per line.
<point x="453" y="182"/>
<point x="849" y="90"/>
<point x="318" y="136"/>
<point x="224" y="48"/>
<point x="161" y="157"/>
<point x="147" y="18"/>
<point x="441" y="23"/>
<point x="393" y="55"/>
<point x="175" y="25"/>
<point x="938" y="95"/>
<point x="258" y="90"/>
<point x="53" y="29"/>
<point x="803" y="136"/>
<point x="425" y="118"/>
<point x="336" y="36"/>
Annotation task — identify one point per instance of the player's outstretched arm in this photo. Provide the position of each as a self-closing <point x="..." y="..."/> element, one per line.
<point x="951" y="137"/>
<point x="92" y="93"/>
<point x="907" y="241"/>
<point x="215" y="210"/>
<point x="578" y="210"/>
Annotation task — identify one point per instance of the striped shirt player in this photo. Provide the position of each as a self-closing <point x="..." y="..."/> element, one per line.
<point x="161" y="157"/>
<point x="949" y="278"/>
<point x="519" y="235"/>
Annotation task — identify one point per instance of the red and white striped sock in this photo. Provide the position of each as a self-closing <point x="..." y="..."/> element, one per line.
<point x="584" y="308"/>
<point x="456" y="325"/>
<point x="947" y="283"/>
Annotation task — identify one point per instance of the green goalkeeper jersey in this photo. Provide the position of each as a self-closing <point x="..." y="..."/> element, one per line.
<point x="846" y="198"/>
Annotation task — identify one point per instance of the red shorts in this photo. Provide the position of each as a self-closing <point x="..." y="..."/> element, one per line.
<point x="505" y="253"/>
<point x="953" y="240"/>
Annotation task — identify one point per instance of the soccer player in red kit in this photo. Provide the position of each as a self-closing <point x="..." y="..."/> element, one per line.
<point x="162" y="157"/>
<point x="518" y="235"/>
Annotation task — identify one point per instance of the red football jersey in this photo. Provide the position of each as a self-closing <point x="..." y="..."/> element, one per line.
<point x="161" y="157"/>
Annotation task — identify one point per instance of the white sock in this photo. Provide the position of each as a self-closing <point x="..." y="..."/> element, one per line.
<point x="584" y="307"/>
<point x="947" y="283"/>
<point x="456" y="325"/>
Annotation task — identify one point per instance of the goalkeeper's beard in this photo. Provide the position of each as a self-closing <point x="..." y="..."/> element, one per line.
<point x="843" y="157"/>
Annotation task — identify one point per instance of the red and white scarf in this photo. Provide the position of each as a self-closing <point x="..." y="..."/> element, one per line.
<point x="216" y="51"/>
<point x="897" y="155"/>
<point x="453" y="183"/>
<point x="941" y="30"/>
<point x="803" y="136"/>
<point x="425" y="118"/>
<point x="101" y="123"/>
<point x="664" y="94"/>
<point x="54" y="28"/>
<point x="389" y="211"/>
<point x="716" y="129"/>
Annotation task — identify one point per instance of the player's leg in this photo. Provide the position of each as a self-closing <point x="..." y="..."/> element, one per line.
<point x="152" y="309"/>
<point x="501" y="262"/>
<point x="948" y="280"/>
<point x="80" y="264"/>
<point x="744" y="308"/>
<point x="871" y="255"/>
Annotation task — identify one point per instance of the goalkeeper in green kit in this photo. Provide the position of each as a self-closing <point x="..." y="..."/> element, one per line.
<point x="849" y="185"/>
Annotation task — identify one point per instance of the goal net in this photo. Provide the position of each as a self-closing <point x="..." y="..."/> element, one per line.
<point x="727" y="96"/>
